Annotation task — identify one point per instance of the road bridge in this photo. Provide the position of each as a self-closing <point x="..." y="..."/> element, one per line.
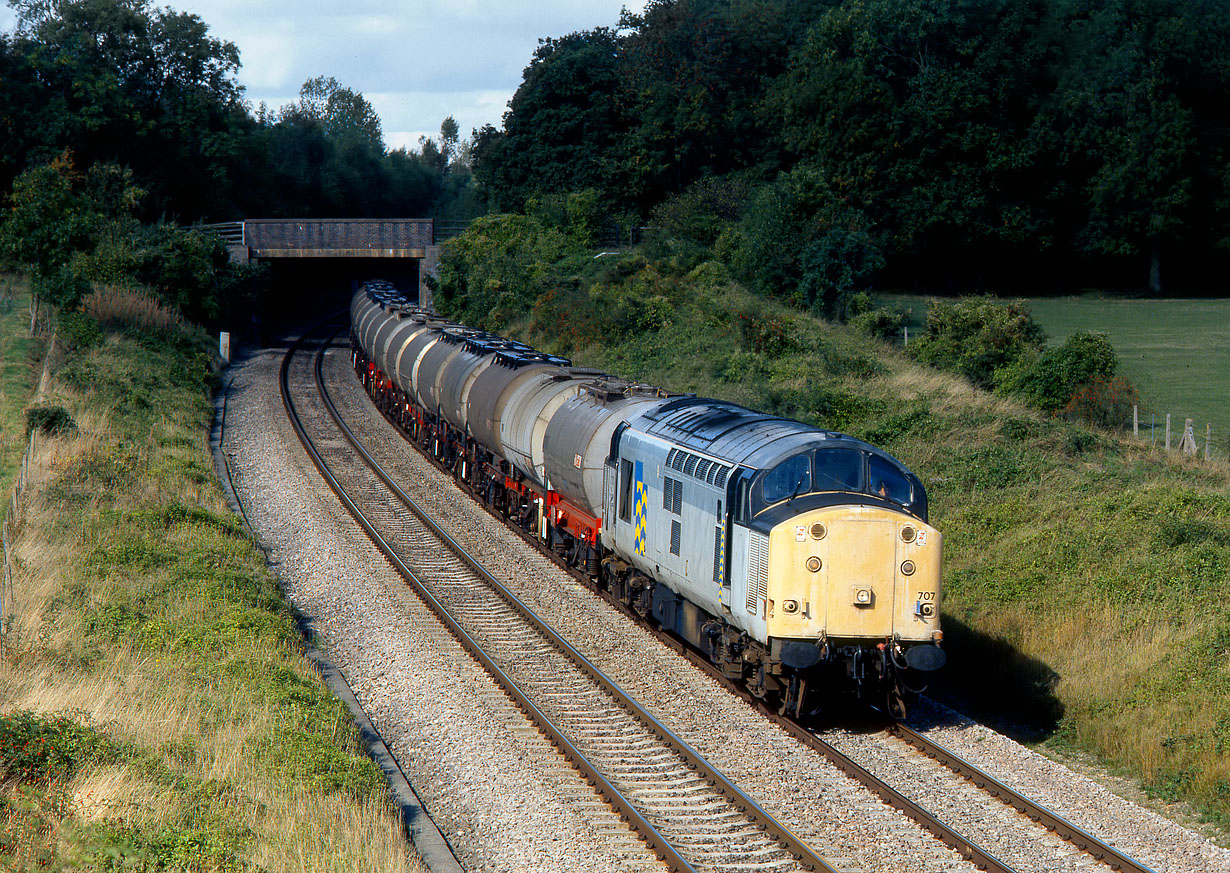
<point x="378" y="246"/>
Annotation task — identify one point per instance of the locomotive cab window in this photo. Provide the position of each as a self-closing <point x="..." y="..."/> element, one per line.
<point x="789" y="478"/>
<point x="888" y="481"/>
<point x="839" y="470"/>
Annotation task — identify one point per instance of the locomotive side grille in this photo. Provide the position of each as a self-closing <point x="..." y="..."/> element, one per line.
<point x="757" y="571"/>
<point x="676" y="537"/>
<point x="672" y="495"/>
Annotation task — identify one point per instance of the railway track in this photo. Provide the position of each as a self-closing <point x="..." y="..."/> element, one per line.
<point x="688" y="812"/>
<point x="594" y="721"/>
<point x="898" y="796"/>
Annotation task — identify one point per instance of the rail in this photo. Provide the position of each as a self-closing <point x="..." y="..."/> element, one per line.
<point x="1036" y="811"/>
<point x="610" y="792"/>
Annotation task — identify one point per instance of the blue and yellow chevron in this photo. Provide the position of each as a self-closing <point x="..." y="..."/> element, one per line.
<point x="640" y="498"/>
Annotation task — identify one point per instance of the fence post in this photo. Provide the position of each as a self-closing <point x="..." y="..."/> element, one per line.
<point x="1187" y="443"/>
<point x="1167" y="430"/>
<point x="1135" y="422"/>
<point x="1208" y="438"/>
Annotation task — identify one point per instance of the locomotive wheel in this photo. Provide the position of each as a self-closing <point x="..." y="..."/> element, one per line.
<point x="896" y="702"/>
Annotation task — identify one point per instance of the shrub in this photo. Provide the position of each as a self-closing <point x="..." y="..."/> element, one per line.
<point x="50" y="419"/>
<point x="51" y="748"/>
<point x="799" y="240"/>
<point x="765" y="335"/>
<point x="884" y="324"/>
<point x="840" y="260"/>
<point x="1103" y="400"/>
<point x="1049" y="380"/>
<point x="78" y="330"/>
<point x="702" y="212"/>
<point x="498" y="268"/>
<point x="977" y="337"/>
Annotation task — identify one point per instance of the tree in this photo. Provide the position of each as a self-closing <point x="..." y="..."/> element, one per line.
<point x="341" y="113"/>
<point x="561" y="124"/>
<point x="694" y="76"/>
<point x="921" y="115"/>
<point x="1142" y="108"/>
<point x="120" y="81"/>
<point x="450" y="135"/>
<point x="49" y="221"/>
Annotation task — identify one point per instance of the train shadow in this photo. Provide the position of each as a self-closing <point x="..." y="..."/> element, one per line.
<point x="986" y="679"/>
<point x="989" y="679"/>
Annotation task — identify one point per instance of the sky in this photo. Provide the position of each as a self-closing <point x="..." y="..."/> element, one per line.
<point x="416" y="61"/>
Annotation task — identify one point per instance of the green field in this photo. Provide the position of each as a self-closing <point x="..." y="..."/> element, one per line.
<point x="1177" y="352"/>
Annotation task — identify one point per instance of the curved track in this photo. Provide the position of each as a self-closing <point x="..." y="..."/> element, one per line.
<point x="899" y="797"/>
<point x="691" y="815"/>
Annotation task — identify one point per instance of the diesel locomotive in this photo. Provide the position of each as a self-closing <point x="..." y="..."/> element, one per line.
<point x="798" y="560"/>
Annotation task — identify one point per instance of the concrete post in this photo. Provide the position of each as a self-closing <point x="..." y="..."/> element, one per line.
<point x="429" y="266"/>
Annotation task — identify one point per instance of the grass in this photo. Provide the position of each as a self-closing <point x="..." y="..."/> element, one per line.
<point x="20" y="366"/>
<point x="1177" y="352"/>
<point x="1087" y="578"/>
<point x="156" y="709"/>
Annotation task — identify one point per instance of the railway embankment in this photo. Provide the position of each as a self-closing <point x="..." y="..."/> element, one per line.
<point x="1086" y="576"/>
<point x="156" y="706"/>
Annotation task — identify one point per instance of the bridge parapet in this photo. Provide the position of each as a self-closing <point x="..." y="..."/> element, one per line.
<point x="266" y="238"/>
<point x="338" y="237"/>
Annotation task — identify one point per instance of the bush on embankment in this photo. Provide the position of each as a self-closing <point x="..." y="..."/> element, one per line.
<point x="1087" y="579"/>
<point x="156" y="708"/>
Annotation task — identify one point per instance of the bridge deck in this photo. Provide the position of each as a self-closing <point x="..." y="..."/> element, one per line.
<point x="267" y="238"/>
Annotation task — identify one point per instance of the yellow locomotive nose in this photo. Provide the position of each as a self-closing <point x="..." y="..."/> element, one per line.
<point x="854" y="573"/>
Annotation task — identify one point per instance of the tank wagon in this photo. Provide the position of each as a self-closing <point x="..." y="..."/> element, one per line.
<point x="798" y="560"/>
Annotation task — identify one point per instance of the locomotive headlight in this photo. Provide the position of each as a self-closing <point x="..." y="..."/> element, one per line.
<point x="907" y="568"/>
<point x="818" y="530"/>
<point x="813" y="564"/>
<point x="863" y="596"/>
<point x="908" y="533"/>
<point x="790" y="607"/>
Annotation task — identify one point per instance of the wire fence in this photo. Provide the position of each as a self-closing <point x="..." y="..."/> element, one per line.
<point x="8" y="531"/>
<point x="1175" y="433"/>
